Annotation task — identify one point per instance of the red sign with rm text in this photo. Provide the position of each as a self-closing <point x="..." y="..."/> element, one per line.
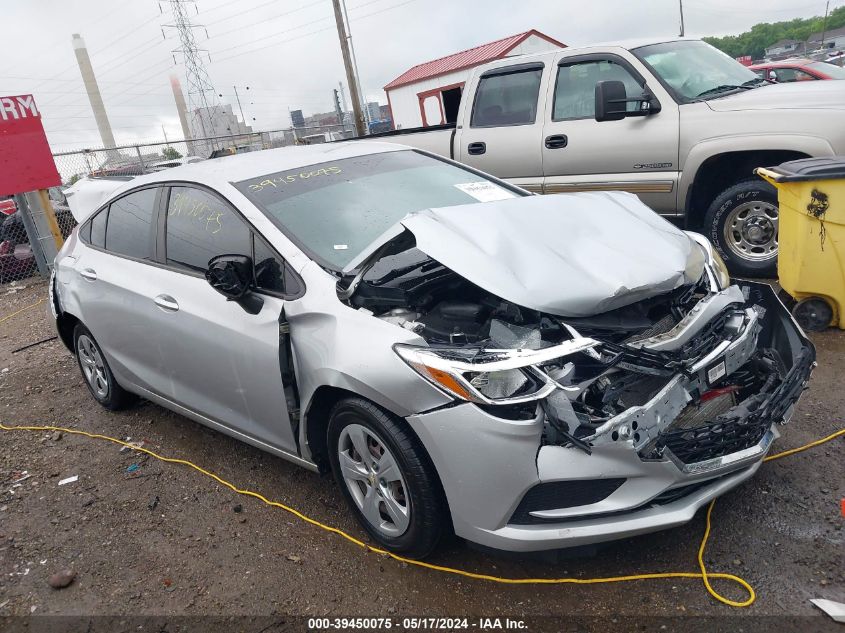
<point x="26" y="163"/>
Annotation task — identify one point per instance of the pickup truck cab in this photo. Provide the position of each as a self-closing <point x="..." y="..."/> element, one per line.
<point x="677" y="122"/>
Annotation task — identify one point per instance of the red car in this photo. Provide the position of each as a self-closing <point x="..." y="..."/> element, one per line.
<point x="798" y="70"/>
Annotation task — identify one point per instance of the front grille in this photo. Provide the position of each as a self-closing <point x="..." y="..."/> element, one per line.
<point x="554" y="495"/>
<point x="714" y="440"/>
<point x="740" y="428"/>
<point x="660" y="327"/>
<point x="694" y="416"/>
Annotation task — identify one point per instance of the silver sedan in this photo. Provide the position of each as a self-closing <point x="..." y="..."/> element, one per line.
<point x="529" y="372"/>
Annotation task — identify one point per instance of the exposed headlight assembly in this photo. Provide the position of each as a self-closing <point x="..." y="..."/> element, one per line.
<point x="714" y="261"/>
<point x="490" y="376"/>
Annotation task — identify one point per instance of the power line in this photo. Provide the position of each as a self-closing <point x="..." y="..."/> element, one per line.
<point x="292" y="39"/>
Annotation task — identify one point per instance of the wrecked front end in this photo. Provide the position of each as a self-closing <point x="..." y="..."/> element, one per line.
<point x="569" y="430"/>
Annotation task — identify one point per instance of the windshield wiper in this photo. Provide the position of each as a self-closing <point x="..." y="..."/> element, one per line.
<point x="722" y="88"/>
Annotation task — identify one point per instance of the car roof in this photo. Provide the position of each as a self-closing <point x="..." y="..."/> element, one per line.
<point x="613" y="47"/>
<point x="219" y="171"/>
<point x="783" y="62"/>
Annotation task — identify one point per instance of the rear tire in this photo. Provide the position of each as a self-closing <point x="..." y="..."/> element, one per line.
<point x="386" y="478"/>
<point x="96" y="372"/>
<point x="742" y="223"/>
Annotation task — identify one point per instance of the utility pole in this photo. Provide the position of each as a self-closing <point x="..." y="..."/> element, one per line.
<point x="361" y="99"/>
<point x="350" y="73"/>
<point x="166" y="142"/>
<point x="681" y="5"/>
<point x="342" y="95"/>
<point x="824" y="25"/>
<point x="243" y="118"/>
<point x="337" y="109"/>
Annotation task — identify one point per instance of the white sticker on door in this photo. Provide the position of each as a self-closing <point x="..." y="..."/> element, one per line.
<point x="485" y="191"/>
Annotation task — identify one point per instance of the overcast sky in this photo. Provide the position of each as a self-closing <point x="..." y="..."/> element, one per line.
<point x="287" y="51"/>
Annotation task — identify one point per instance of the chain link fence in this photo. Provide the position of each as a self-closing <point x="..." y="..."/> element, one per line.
<point x="144" y="158"/>
<point x="18" y="259"/>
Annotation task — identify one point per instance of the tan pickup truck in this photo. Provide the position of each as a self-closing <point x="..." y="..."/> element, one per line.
<point x="676" y="122"/>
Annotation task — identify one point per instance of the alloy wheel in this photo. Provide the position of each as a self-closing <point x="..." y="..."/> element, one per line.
<point x="93" y="367"/>
<point x="374" y="480"/>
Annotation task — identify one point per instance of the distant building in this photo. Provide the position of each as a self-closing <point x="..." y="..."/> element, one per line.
<point x="216" y="120"/>
<point x="785" y="48"/>
<point x="832" y="39"/>
<point x="430" y="93"/>
<point x="384" y="113"/>
<point x="296" y="118"/>
<point x="373" y="111"/>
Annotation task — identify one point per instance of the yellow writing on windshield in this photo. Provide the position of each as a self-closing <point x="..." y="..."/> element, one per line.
<point x="288" y="179"/>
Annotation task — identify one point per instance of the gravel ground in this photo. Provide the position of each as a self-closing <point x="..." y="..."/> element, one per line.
<point x="145" y="537"/>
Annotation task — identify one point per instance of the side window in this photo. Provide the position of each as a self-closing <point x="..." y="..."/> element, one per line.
<point x="98" y="229"/>
<point x="271" y="271"/>
<point x="201" y="226"/>
<point x="785" y="75"/>
<point x="575" y="89"/>
<point x="508" y="99"/>
<point x="85" y="232"/>
<point x="129" y="229"/>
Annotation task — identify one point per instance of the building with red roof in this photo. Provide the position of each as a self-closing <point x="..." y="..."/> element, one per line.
<point x="430" y="93"/>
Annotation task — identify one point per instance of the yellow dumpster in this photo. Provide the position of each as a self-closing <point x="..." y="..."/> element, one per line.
<point x="811" y="238"/>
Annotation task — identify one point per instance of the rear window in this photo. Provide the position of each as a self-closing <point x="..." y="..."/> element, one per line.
<point x="129" y="230"/>
<point x="98" y="229"/>
<point x="837" y="72"/>
<point x="334" y="210"/>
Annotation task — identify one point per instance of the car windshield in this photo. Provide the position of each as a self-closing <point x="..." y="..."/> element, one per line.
<point x="334" y="210"/>
<point x="831" y="70"/>
<point x="695" y="70"/>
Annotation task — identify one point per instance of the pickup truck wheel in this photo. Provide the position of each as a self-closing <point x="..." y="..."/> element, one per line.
<point x="742" y="223"/>
<point x="386" y="477"/>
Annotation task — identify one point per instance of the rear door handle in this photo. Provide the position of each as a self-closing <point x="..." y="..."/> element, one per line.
<point x="166" y="303"/>
<point x="88" y="273"/>
<point x="556" y="141"/>
<point x="476" y="148"/>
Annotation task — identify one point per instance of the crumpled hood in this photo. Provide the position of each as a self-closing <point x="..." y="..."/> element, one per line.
<point x="572" y="255"/>
<point x="798" y="95"/>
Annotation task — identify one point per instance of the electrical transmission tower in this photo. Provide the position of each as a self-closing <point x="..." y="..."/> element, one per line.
<point x="201" y="95"/>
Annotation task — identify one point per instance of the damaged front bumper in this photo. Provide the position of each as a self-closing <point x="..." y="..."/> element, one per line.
<point x="650" y="467"/>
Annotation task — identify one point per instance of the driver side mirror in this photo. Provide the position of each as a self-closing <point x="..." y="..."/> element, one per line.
<point x="612" y="102"/>
<point x="233" y="277"/>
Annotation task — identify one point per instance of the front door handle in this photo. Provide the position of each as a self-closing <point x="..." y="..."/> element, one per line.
<point x="556" y="141"/>
<point x="476" y="148"/>
<point x="88" y="273"/>
<point x="166" y="303"/>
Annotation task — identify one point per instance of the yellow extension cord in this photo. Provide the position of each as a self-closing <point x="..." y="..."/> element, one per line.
<point x="704" y="575"/>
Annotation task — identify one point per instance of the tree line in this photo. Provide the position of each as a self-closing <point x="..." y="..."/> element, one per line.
<point x="755" y="41"/>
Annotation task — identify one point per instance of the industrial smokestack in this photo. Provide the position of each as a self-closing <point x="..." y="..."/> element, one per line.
<point x="93" y="90"/>
<point x="182" y="109"/>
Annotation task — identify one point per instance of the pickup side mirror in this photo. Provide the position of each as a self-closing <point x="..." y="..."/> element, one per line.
<point x="612" y="102"/>
<point x="233" y="277"/>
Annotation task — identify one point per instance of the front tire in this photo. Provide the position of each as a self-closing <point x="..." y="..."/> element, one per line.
<point x="742" y="223"/>
<point x="96" y="372"/>
<point x="386" y="478"/>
